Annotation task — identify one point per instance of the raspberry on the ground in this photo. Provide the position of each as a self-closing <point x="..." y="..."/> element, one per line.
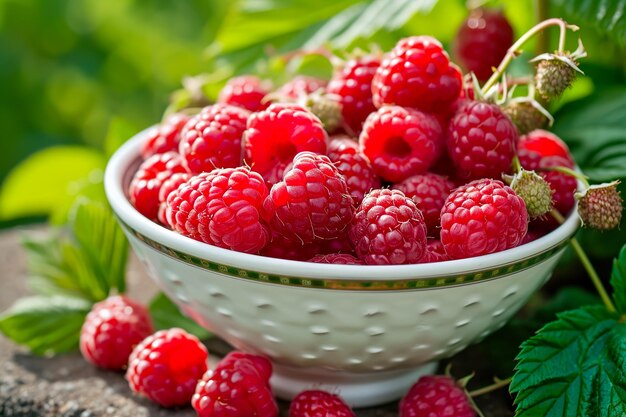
<point x="401" y="142"/>
<point x="336" y="258"/>
<point x="436" y="396"/>
<point x="166" y="136"/>
<point x="166" y="367"/>
<point x="246" y="91"/>
<point x="388" y="229"/>
<point x="481" y="141"/>
<point x="354" y="165"/>
<point x="144" y="188"/>
<point x="482" y="217"/>
<point x="112" y="329"/>
<point x="482" y="41"/>
<point x="274" y="136"/>
<point x="352" y="83"/>
<point x="212" y="138"/>
<point x="311" y="202"/>
<point x="316" y="403"/>
<point x="417" y="73"/>
<point x="221" y="208"/>
<point x="429" y="191"/>
<point x="237" y="387"/>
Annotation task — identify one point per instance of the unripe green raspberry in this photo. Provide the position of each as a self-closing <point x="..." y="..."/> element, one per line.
<point x="534" y="190"/>
<point x="525" y="116"/>
<point x="326" y="107"/>
<point x="600" y="206"/>
<point x="552" y="77"/>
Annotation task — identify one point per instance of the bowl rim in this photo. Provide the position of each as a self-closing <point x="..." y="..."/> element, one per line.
<point x="289" y="272"/>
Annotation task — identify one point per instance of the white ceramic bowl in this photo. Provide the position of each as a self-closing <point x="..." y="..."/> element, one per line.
<point x="366" y="331"/>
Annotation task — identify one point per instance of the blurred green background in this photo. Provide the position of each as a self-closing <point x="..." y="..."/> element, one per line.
<point x="78" y="77"/>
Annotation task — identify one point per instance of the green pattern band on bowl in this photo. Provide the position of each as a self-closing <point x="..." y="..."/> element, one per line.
<point x="350" y="284"/>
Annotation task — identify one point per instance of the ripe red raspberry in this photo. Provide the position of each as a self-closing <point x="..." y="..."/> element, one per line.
<point x="212" y="138"/>
<point x="282" y="247"/>
<point x="144" y="188"/>
<point x="435" y="252"/>
<point x="311" y="202"/>
<point x="315" y="403"/>
<point x="166" y="136"/>
<point x="562" y="185"/>
<point x="299" y="86"/>
<point x="481" y="141"/>
<point x="429" y="191"/>
<point x="112" y="329"/>
<point x="482" y="41"/>
<point x="352" y="82"/>
<point x="401" y="142"/>
<point x="274" y="136"/>
<point x="169" y="185"/>
<point x="354" y="166"/>
<point x="482" y="217"/>
<point x="237" y="387"/>
<point x="336" y="258"/>
<point x="436" y="396"/>
<point x="388" y="228"/>
<point x="166" y="367"/>
<point x="417" y="73"/>
<point x="246" y="91"/>
<point x="545" y="144"/>
<point x="221" y="208"/>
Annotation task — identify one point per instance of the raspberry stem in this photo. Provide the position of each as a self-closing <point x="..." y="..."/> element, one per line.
<point x="584" y="259"/>
<point x="513" y="50"/>
<point x="571" y="173"/>
<point x="500" y="383"/>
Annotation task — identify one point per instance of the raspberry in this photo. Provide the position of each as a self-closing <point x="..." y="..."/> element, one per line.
<point x="315" y="403"/>
<point x="482" y="217"/>
<point x="237" y="387"/>
<point x="435" y="252"/>
<point x="336" y="258"/>
<point x="352" y="83"/>
<point x="112" y="329"/>
<point x="525" y="116"/>
<point x="545" y="144"/>
<point x="166" y="367"/>
<point x="535" y="191"/>
<point x="282" y="247"/>
<point x="388" y="228"/>
<point x="417" y="73"/>
<point x="169" y="185"/>
<point x="274" y="136"/>
<point x="436" y="396"/>
<point x="482" y="41"/>
<point x="300" y="85"/>
<point x="553" y="76"/>
<point x="354" y="166"/>
<point x="311" y="202"/>
<point x="221" y="208"/>
<point x="481" y="141"/>
<point x="166" y="136"/>
<point x="562" y="185"/>
<point x="401" y="142"/>
<point x="144" y="188"/>
<point x="212" y="139"/>
<point x="325" y="107"/>
<point x="600" y="206"/>
<point x="246" y="91"/>
<point x="429" y="192"/>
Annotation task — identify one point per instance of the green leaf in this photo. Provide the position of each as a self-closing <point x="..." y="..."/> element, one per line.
<point x="46" y="325"/>
<point x="595" y="129"/>
<point x="607" y="16"/>
<point x="165" y="314"/>
<point x="618" y="281"/>
<point x="569" y="367"/>
<point x="40" y="183"/>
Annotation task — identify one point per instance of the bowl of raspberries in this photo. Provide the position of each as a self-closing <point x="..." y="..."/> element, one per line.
<point x="353" y="231"/>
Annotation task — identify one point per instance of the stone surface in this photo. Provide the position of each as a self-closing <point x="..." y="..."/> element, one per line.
<point x="66" y="386"/>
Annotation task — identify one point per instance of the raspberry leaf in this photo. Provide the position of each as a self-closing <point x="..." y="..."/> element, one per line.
<point x="165" y="315"/>
<point x="618" y="281"/>
<point x="572" y="366"/>
<point x="45" y="324"/>
<point x="596" y="13"/>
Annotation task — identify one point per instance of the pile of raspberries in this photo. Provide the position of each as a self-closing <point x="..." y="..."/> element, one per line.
<point x="412" y="173"/>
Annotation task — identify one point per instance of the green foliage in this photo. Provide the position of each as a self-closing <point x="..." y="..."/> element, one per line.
<point x="570" y="367"/>
<point x="165" y="314"/>
<point x="47" y="325"/>
<point x="618" y="281"/>
<point x="607" y="17"/>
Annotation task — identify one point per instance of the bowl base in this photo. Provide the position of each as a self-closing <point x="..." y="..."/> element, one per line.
<point x="358" y="389"/>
